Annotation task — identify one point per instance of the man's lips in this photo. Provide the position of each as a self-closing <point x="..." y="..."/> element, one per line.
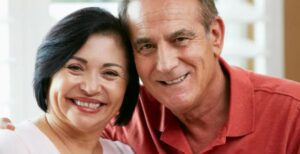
<point x="175" y="81"/>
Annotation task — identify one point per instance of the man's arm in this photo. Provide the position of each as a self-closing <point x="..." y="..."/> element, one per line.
<point x="5" y="123"/>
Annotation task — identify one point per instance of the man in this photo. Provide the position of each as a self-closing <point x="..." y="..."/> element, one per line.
<point x="192" y="100"/>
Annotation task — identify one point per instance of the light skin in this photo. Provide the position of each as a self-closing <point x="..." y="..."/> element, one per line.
<point x="177" y="60"/>
<point x="5" y="123"/>
<point x="85" y="95"/>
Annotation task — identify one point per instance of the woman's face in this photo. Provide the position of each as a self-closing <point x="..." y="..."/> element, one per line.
<point x="89" y="89"/>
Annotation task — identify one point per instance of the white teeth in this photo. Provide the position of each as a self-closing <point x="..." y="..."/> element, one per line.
<point x="176" y="80"/>
<point x="87" y="105"/>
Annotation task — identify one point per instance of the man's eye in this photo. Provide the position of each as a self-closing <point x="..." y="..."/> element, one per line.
<point x="180" y="39"/>
<point x="146" y="48"/>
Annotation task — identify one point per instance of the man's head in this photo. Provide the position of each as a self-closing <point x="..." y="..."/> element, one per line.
<point x="176" y="50"/>
<point x="207" y="10"/>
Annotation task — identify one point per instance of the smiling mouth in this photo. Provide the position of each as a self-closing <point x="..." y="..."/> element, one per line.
<point x="175" y="81"/>
<point x="88" y="105"/>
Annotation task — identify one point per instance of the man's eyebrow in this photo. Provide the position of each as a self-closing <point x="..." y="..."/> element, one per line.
<point x="142" y="40"/>
<point x="182" y="32"/>
<point x="79" y="59"/>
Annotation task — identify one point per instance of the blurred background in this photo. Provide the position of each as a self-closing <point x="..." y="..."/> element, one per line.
<point x="261" y="35"/>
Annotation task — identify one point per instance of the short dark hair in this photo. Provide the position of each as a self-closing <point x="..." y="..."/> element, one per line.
<point x="66" y="38"/>
<point x="208" y="11"/>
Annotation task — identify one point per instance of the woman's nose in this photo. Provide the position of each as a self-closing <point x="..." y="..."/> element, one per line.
<point x="91" y="85"/>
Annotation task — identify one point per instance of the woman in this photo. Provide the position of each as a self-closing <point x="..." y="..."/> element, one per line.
<point x="84" y="76"/>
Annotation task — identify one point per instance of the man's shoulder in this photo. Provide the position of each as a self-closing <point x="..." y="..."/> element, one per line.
<point x="115" y="147"/>
<point x="264" y="89"/>
<point x="270" y="85"/>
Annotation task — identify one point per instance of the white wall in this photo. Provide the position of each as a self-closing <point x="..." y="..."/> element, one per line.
<point x="31" y="19"/>
<point x="28" y="23"/>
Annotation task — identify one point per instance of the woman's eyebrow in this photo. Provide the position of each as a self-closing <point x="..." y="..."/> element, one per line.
<point x="112" y="64"/>
<point x="79" y="59"/>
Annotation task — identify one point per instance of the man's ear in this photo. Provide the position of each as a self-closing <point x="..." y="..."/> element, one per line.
<point x="217" y="32"/>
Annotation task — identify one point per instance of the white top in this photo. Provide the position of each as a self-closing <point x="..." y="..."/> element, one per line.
<point x="28" y="139"/>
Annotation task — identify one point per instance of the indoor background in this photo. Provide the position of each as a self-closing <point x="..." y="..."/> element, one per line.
<point x="261" y="35"/>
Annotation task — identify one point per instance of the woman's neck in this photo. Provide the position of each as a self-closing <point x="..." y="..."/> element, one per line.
<point x="67" y="139"/>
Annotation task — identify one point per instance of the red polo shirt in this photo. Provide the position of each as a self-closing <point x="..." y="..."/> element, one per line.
<point x="264" y="118"/>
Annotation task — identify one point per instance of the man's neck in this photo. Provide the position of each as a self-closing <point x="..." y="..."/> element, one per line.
<point x="203" y="123"/>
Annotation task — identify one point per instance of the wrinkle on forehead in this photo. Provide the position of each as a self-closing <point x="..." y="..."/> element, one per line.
<point x="150" y="19"/>
<point x="156" y="10"/>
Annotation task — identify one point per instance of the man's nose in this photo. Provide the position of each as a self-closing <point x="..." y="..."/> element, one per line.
<point x="91" y="85"/>
<point x="167" y="58"/>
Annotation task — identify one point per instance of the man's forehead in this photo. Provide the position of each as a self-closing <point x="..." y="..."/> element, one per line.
<point x="144" y="9"/>
<point x="147" y="21"/>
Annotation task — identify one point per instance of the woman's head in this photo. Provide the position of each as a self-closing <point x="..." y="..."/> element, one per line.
<point x="72" y="41"/>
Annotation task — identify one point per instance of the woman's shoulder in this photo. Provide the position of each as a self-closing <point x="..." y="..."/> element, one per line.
<point x="12" y="142"/>
<point x="16" y="135"/>
<point x="24" y="131"/>
<point x="115" y="147"/>
<point x="27" y="138"/>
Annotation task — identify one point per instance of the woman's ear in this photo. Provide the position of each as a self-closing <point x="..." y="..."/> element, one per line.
<point x="217" y="32"/>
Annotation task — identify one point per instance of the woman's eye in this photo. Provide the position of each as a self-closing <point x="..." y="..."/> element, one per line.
<point x="111" y="73"/>
<point x="74" y="68"/>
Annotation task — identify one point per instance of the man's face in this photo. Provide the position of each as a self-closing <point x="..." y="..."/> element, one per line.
<point x="175" y="57"/>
